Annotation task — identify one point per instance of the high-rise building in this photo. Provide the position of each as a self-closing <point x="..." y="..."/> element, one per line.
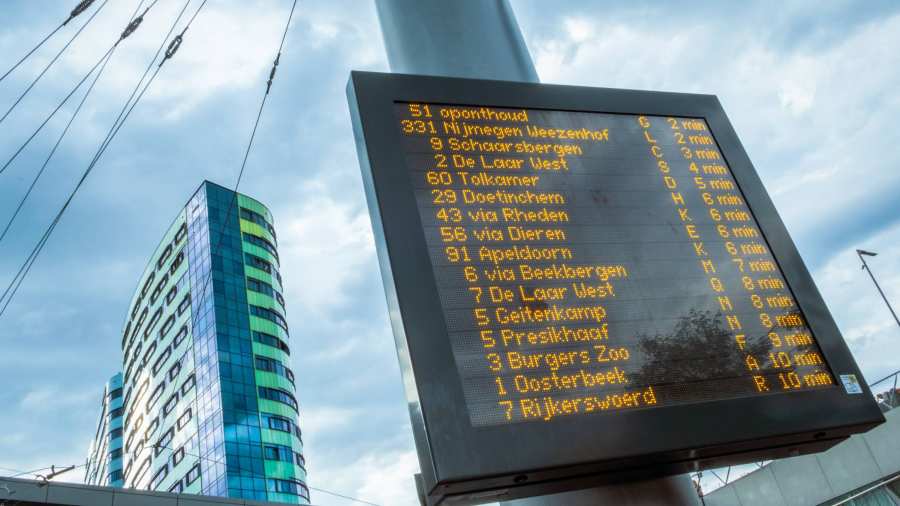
<point x="209" y="399"/>
<point x="105" y="454"/>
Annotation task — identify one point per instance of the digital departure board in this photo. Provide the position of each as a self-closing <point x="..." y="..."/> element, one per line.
<point x="591" y="262"/>
<point x="567" y="265"/>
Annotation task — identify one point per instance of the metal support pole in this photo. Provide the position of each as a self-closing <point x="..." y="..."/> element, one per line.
<point x="481" y="39"/>
<point x="860" y="254"/>
<point x="455" y="38"/>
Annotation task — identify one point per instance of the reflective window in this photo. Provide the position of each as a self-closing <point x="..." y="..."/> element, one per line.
<point x="153" y="321"/>
<point x="184" y="304"/>
<point x="177" y="457"/>
<point x="170" y="404"/>
<point x="151" y="428"/>
<point x="259" y="263"/>
<point x="147" y="284"/>
<point x="155" y="396"/>
<point x="181" y="233"/>
<point x="161" y="360"/>
<point x="164" y="441"/>
<point x="188" y="385"/>
<point x="171" y="295"/>
<point x="159" y="476"/>
<point x="270" y="340"/>
<point x="274" y="366"/>
<point x="293" y="487"/>
<point x="278" y="423"/>
<point x="173" y="372"/>
<point x="164" y="256"/>
<point x="268" y="314"/>
<point x="141" y="471"/>
<point x="137" y="326"/>
<point x="125" y="334"/>
<point x="170" y="322"/>
<point x="184" y="419"/>
<point x="262" y="243"/>
<point x="176" y="262"/>
<point x="149" y="353"/>
<point x="278" y="395"/>
<point x="159" y="288"/>
<point x="179" y="338"/>
<point x="192" y="475"/>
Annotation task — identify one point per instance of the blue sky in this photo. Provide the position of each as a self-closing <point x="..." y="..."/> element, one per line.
<point x="809" y="87"/>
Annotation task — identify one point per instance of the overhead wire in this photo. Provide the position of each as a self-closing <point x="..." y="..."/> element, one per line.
<point x="262" y="105"/>
<point x="23" y="473"/>
<point x="173" y="47"/>
<point x="129" y="29"/>
<point x="59" y="140"/>
<point x="80" y="8"/>
<point x="25" y="268"/>
<point x="224" y="225"/>
<point x="54" y="59"/>
<point x="157" y="445"/>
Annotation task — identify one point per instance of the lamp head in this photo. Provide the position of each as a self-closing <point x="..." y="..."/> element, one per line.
<point x="867" y="253"/>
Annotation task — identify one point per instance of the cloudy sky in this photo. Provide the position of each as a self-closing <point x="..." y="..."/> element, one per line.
<point x="809" y="86"/>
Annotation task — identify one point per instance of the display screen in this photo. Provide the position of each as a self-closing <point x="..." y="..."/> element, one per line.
<point x="591" y="263"/>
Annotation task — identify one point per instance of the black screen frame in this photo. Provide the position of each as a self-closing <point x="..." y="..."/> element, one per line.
<point x="457" y="457"/>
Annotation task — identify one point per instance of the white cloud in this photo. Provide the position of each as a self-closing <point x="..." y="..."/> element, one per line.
<point x="867" y="325"/>
<point x="324" y="244"/>
<point x="319" y="420"/>
<point x="812" y="117"/>
<point x="816" y="119"/>
<point x="384" y="477"/>
<point x="52" y="397"/>
<point x="389" y="478"/>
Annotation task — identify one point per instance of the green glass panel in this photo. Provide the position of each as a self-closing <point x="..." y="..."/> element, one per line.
<point x="263" y="325"/>
<point x="255" y="205"/>
<point x="260" y="252"/>
<point x="278" y="469"/>
<point x="253" y="272"/>
<point x="277" y="408"/>
<point x="280" y="438"/>
<point x="270" y="379"/>
<point x="261" y="299"/>
<point x="265" y="350"/>
<point x="253" y="228"/>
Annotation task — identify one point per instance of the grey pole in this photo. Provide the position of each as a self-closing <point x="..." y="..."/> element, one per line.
<point x="455" y="38"/>
<point x="865" y="266"/>
<point x="481" y="39"/>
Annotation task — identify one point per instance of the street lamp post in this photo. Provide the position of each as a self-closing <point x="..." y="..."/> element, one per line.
<point x="862" y="254"/>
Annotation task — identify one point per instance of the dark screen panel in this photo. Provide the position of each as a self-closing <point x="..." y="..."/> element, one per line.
<point x="592" y="263"/>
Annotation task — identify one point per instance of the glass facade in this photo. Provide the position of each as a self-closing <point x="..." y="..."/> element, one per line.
<point x="210" y="405"/>
<point x="104" y="463"/>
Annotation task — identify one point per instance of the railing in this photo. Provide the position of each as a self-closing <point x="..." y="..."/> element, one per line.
<point x="886" y="393"/>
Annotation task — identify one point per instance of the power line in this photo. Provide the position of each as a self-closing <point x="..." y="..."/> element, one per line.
<point x="237" y="184"/>
<point x="53" y="113"/>
<point x="133" y="24"/>
<point x="221" y="233"/>
<point x="25" y="268"/>
<point x="53" y="151"/>
<point x="217" y="461"/>
<point x="58" y="54"/>
<point x="341" y="495"/>
<point x="81" y="7"/>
